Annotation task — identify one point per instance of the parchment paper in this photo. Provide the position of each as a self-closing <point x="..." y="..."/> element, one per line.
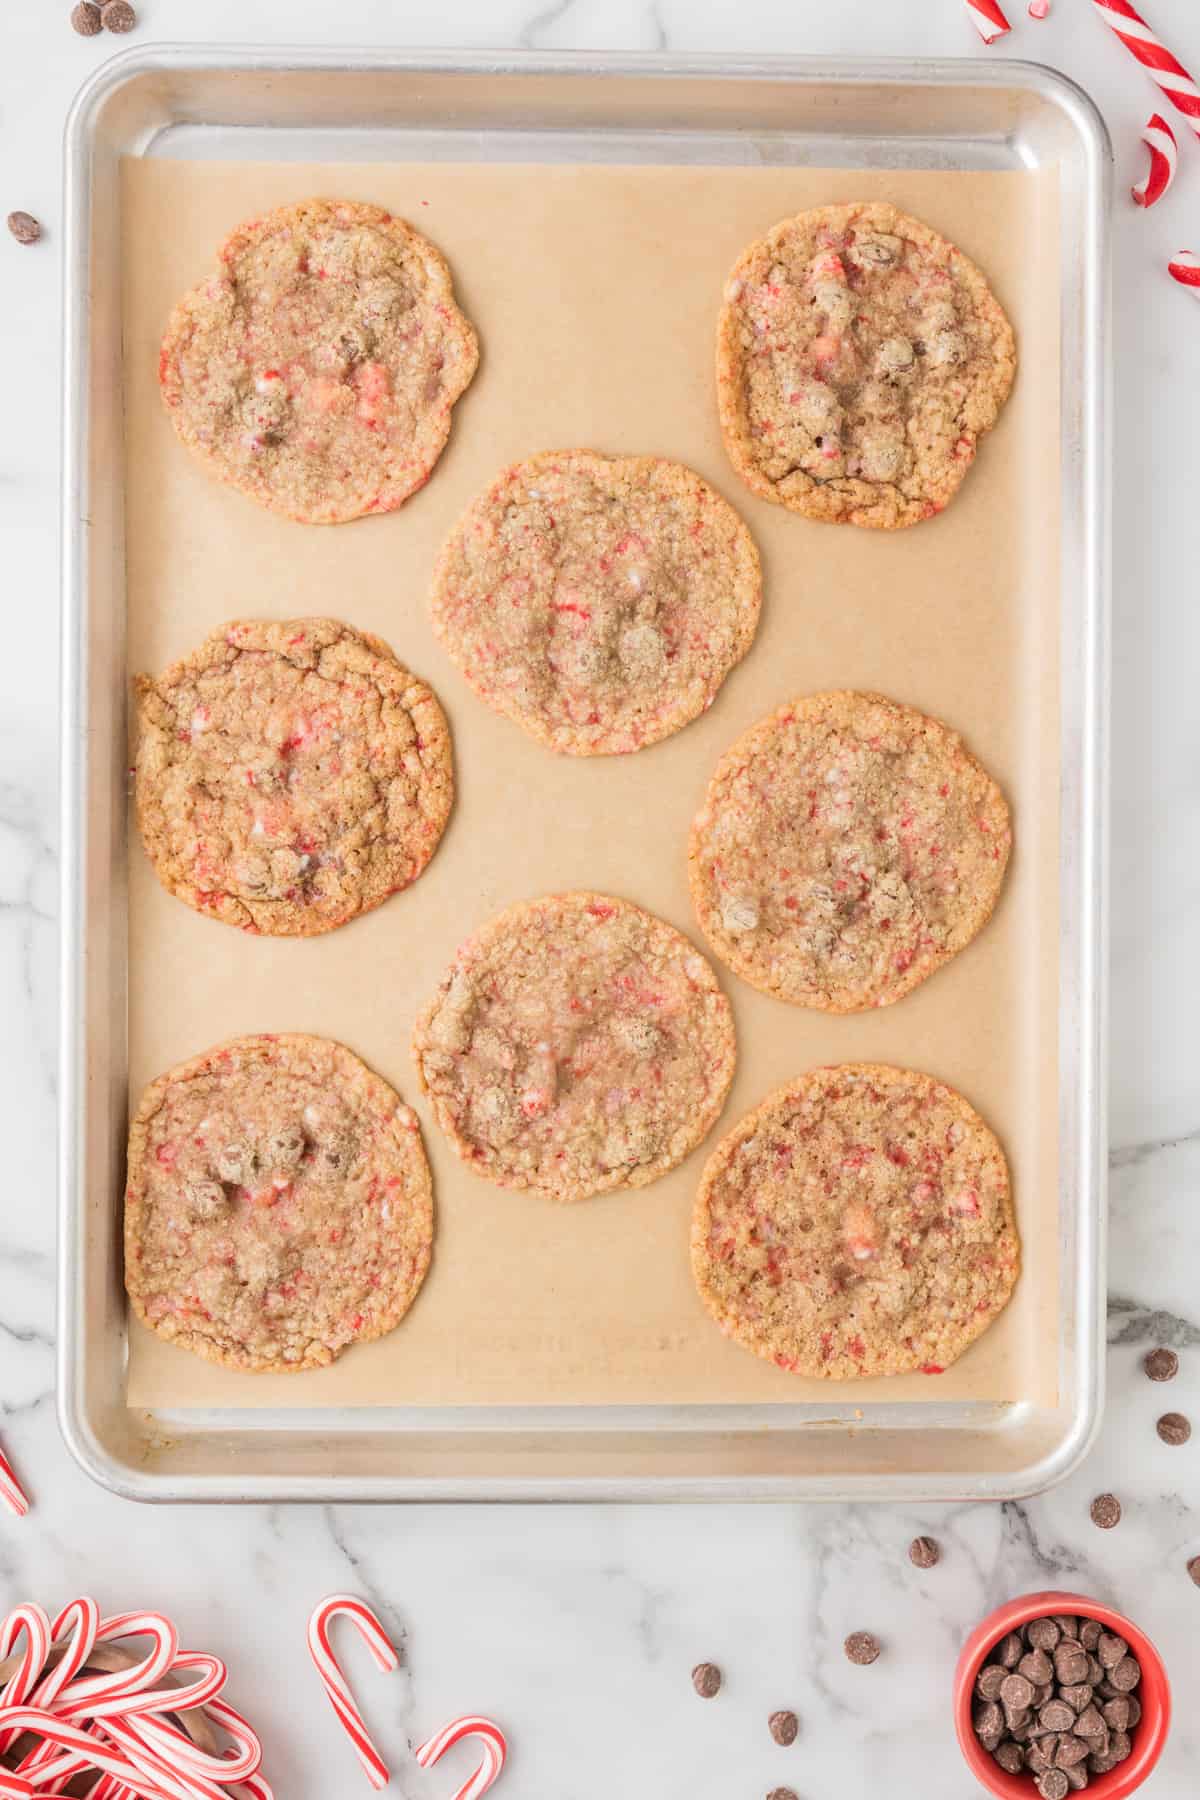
<point x="595" y="293"/>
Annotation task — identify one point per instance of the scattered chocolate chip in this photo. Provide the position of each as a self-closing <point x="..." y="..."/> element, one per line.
<point x="989" y="1681"/>
<point x="1126" y="1675"/>
<point x="1017" y="1693"/>
<point x="783" y="1727"/>
<point x="1056" y="1715"/>
<point x="1010" y="1650"/>
<point x="1036" y="1667"/>
<point x="85" y="18"/>
<point x="861" y="1648"/>
<point x="1193" y="1569"/>
<point x="1172" y="1428"/>
<point x="118" y="15"/>
<point x="783" y="1794"/>
<point x="1106" y="1511"/>
<point x="1053" y="1784"/>
<point x="706" y="1679"/>
<point x="1161" y="1365"/>
<point x="1043" y="1634"/>
<point x="24" y="227"/>
<point x="1110" y="1650"/>
<point x="924" y="1552"/>
<point x="1010" y="1756"/>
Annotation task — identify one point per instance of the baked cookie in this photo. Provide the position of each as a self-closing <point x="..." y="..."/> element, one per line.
<point x="278" y="1207"/>
<point x="290" y="775"/>
<point x="576" y="1044"/>
<point x="599" y="601"/>
<point x="860" y="358"/>
<point x="847" y="847"/>
<point x="858" y="1222"/>
<point x="317" y="368"/>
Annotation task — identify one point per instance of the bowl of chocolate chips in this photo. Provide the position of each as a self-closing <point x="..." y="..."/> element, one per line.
<point x="1056" y="1694"/>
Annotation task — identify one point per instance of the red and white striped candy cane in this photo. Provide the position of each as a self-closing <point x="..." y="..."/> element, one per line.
<point x="988" y="19"/>
<point x="336" y="1686"/>
<point x="489" y="1736"/>
<point x="1159" y="139"/>
<point x="153" y="1666"/>
<point x="28" y="1620"/>
<point x="1185" y="269"/>
<point x="12" y="1496"/>
<point x="1154" y="56"/>
<point x="83" y="1751"/>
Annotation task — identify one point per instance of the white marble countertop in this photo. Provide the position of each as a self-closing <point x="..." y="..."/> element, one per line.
<point x="577" y="1628"/>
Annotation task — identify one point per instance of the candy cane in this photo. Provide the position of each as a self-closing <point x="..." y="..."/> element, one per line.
<point x="988" y="19"/>
<point x="490" y="1737"/>
<point x="153" y="1666"/>
<point x="1159" y="139"/>
<point x="79" y="1745"/>
<point x="1154" y="56"/>
<point x="336" y="1686"/>
<point x="31" y="1620"/>
<point x="237" y="1765"/>
<point x="12" y="1496"/>
<point x="1185" y="269"/>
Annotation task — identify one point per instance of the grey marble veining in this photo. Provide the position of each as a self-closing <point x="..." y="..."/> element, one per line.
<point x="578" y="1628"/>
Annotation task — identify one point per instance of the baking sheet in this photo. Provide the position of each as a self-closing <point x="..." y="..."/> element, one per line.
<point x="595" y="291"/>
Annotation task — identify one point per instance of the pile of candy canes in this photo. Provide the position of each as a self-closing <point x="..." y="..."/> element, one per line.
<point x="483" y="1732"/>
<point x="1165" y="70"/>
<point x="74" y="1702"/>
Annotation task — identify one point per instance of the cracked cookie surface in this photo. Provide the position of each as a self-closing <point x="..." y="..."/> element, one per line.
<point x="576" y="1044"/>
<point x="598" y="601"/>
<point x="858" y="1222"/>
<point x="847" y="848"/>
<point x="290" y="775"/>
<point x="316" y="370"/>
<point x="278" y="1206"/>
<point x="860" y="359"/>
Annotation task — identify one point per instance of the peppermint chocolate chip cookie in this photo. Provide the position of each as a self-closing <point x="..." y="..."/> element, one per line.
<point x="290" y="775"/>
<point x="599" y="601"/>
<point x="860" y="359"/>
<point x="858" y="1222"/>
<point x="316" y="369"/>
<point x="279" y="1206"/>
<point x="847" y="847"/>
<point x="576" y="1044"/>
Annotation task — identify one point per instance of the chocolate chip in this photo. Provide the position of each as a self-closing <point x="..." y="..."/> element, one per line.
<point x="1078" y="1697"/>
<point x="1100" y="1765"/>
<point x="1110" y="1650"/>
<point x="1119" y="1746"/>
<point x="1040" y="1755"/>
<point x="1010" y="1650"/>
<point x="1053" y="1785"/>
<point x="783" y="1794"/>
<point x="783" y="1726"/>
<point x="989" y="1681"/>
<point x="1043" y="1634"/>
<point x="1161" y="1365"/>
<point x="118" y="15"/>
<point x="1089" y="1724"/>
<point x="1036" y="1667"/>
<point x="861" y="1648"/>
<point x="1067" y="1625"/>
<point x="1135" y="1713"/>
<point x="1106" y="1690"/>
<point x="1078" y="1776"/>
<point x="1070" y="1665"/>
<point x="1010" y="1757"/>
<point x="1095" y="1673"/>
<point x="1056" y="1715"/>
<point x="1089" y="1633"/>
<point x="1126" y="1675"/>
<point x="1017" y="1693"/>
<point x="1172" y="1428"/>
<point x="1021" y="1726"/>
<point x="924" y="1552"/>
<point x="1071" y="1750"/>
<point x="24" y="227"/>
<point x="1116" y="1712"/>
<point x="85" y="18"/>
<point x="987" y="1719"/>
<point x="706" y="1679"/>
<point x="1106" y="1511"/>
<point x="1043" y="1692"/>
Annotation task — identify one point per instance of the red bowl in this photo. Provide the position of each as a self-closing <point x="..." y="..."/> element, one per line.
<point x="1154" y="1692"/>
